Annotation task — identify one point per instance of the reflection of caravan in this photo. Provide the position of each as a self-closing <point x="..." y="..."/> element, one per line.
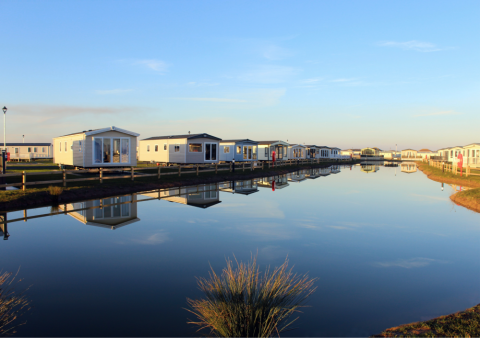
<point x="111" y="213"/>
<point x="240" y="187"/>
<point x="408" y="168"/>
<point x="335" y="169"/>
<point x="280" y="182"/>
<point x="202" y="196"/>
<point x="297" y="176"/>
<point x="370" y="168"/>
<point x="313" y="173"/>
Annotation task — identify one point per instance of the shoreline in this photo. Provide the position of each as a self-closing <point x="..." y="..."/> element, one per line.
<point x="469" y="199"/>
<point x="37" y="199"/>
<point x="464" y="323"/>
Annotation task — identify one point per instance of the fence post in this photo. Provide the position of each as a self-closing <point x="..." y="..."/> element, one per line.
<point x="24" y="180"/>
<point x="132" y="174"/>
<point x="197" y="169"/>
<point x="262" y="164"/>
<point x="216" y="168"/>
<point x="243" y="166"/>
<point x="179" y="170"/>
<point x="159" y="175"/>
<point x="467" y="171"/>
<point x="64" y="178"/>
<point x="101" y="175"/>
<point x="251" y="165"/>
<point x="230" y="166"/>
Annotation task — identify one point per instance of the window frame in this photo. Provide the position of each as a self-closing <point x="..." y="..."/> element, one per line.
<point x="196" y="144"/>
<point x="155" y="148"/>
<point x="111" y="163"/>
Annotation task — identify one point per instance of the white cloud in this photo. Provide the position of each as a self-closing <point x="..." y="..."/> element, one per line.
<point x="312" y="81"/>
<point x="268" y="74"/>
<point x="417" y="262"/>
<point x="415" y="45"/>
<point x="274" y="52"/>
<point x="448" y="112"/>
<point x="157" y="238"/>
<point x="113" y="91"/>
<point x="211" y="99"/>
<point x="154" y="64"/>
<point x="343" y="80"/>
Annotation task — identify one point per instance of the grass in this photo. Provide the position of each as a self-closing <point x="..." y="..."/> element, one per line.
<point x="243" y="302"/>
<point x="12" y="304"/>
<point x="460" y="324"/>
<point x="448" y="177"/>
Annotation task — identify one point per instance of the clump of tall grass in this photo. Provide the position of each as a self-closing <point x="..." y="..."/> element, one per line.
<point x="243" y="302"/>
<point x="54" y="190"/>
<point x="12" y="304"/>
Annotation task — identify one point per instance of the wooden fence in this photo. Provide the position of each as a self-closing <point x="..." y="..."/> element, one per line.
<point x="452" y="168"/>
<point x="132" y="173"/>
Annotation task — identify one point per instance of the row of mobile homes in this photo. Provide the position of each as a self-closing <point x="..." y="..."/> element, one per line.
<point x="191" y="148"/>
<point x="297" y="152"/>
<point x="266" y="149"/>
<point x="29" y="151"/>
<point x="238" y="150"/>
<point x="99" y="148"/>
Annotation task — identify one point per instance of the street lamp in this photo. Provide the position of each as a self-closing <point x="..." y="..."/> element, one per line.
<point x="4" y="127"/>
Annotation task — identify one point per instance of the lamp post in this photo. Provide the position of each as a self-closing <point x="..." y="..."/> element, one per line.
<point x="4" y="127"/>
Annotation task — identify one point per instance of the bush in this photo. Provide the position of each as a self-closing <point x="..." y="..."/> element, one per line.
<point x="55" y="191"/>
<point x="244" y="302"/>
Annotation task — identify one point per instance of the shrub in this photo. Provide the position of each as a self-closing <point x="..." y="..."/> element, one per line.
<point x="55" y="191"/>
<point x="244" y="302"/>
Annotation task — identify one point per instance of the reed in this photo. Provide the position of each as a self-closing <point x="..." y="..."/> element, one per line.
<point x="243" y="302"/>
<point x="12" y="304"/>
<point x="55" y="191"/>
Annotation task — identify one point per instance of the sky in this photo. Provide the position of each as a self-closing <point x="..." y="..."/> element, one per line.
<point x="349" y="74"/>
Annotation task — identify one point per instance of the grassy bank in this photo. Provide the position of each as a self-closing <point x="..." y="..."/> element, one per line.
<point x="461" y="324"/>
<point x="469" y="198"/>
<point x="39" y="195"/>
<point x="448" y="177"/>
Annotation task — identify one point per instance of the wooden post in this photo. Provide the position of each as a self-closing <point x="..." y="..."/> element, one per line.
<point x="197" y="169"/>
<point x="251" y="166"/>
<point x="132" y="174"/>
<point x="467" y="171"/>
<point x="262" y="165"/>
<point x="159" y="178"/>
<point x="24" y="180"/>
<point x="179" y="170"/>
<point x="25" y="215"/>
<point x="100" y="173"/>
<point x="230" y="166"/>
<point x="243" y="166"/>
<point x="216" y="168"/>
<point x="64" y="178"/>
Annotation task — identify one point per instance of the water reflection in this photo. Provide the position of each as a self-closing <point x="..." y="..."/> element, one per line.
<point x="275" y="182"/>
<point x="201" y="196"/>
<point x="246" y="187"/>
<point x="111" y="213"/>
<point x="370" y="167"/>
<point x="408" y="167"/>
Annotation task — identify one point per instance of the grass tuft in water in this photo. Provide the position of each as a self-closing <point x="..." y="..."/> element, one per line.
<point x="12" y="304"/>
<point x="243" y="302"/>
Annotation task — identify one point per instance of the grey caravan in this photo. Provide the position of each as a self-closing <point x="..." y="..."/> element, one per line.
<point x="240" y="150"/>
<point x="191" y="148"/>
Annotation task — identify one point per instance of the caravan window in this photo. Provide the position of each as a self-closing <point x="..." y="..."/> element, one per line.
<point x="195" y="148"/>
<point x="60" y="146"/>
<point x="239" y="149"/>
<point x="43" y="148"/>
<point x="108" y="150"/>
<point x="34" y="149"/>
<point x="148" y="147"/>
<point x="226" y="149"/>
<point x="266" y="151"/>
<point x="177" y="148"/>
<point x="29" y="149"/>
<point x="65" y="145"/>
<point x="156" y="148"/>
<point x="164" y="146"/>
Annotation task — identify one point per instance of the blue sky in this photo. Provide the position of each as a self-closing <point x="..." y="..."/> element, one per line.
<point x="337" y="73"/>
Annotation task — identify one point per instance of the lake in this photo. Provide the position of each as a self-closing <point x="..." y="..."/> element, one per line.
<point x="386" y="243"/>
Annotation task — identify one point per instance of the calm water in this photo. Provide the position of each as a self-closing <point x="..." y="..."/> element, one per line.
<point x="387" y="246"/>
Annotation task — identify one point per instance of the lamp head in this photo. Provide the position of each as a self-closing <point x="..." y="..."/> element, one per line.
<point x="4" y="109"/>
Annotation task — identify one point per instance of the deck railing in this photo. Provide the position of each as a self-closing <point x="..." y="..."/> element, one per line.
<point x="451" y="167"/>
<point x="158" y="172"/>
